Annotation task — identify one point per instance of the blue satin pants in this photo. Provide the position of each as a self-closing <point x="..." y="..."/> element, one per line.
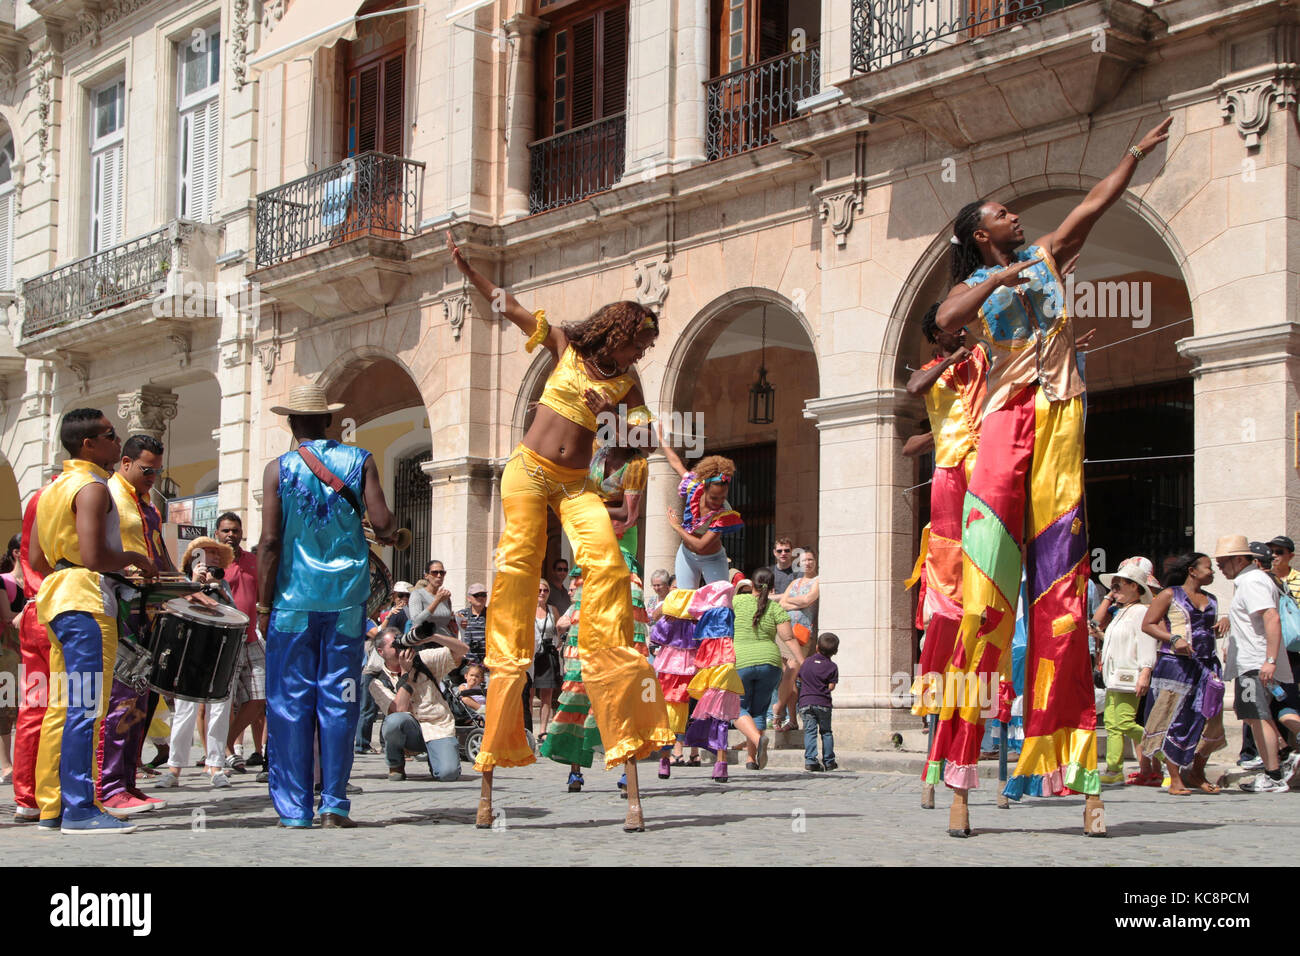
<point x="313" y="685"/>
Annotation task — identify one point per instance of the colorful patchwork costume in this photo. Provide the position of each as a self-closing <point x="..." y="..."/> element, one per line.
<point x="1032" y="429"/>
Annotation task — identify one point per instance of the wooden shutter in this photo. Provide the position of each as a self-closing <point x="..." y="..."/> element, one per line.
<point x="584" y="77"/>
<point x="773" y="31"/>
<point x="375" y="99"/>
<point x="613" y="68"/>
<point x="201" y="153"/>
<point x="106" y="212"/>
<point x="583" y="96"/>
<point x="7" y="240"/>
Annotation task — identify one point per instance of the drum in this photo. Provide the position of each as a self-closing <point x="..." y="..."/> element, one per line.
<point x="195" y="649"/>
<point x="134" y="663"/>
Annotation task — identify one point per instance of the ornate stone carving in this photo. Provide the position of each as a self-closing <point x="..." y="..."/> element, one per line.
<point x="233" y="352"/>
<point x="272" y="12"/>
<point x="36" y="403"/>
<point x="651" y="277"/>
<point x="839" y="210"/>
<point x="91" y="23"/>
<point x="182" y="342"/>
<point x="457" y="309"/>
<point x="42" y="69"/>
<point x="8" y="78"/>
<point x="88" y="27"/>
<point x="147" y="410"/>
<point x="239" y="44"/>
<point x="79" y="365"/>
<point x="268" y="353"/>
<point x="1250" y="105"/>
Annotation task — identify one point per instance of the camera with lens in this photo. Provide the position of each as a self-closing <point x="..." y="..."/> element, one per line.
<point x="415" y="637"/>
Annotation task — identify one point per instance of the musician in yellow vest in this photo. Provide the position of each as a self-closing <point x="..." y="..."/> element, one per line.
<point x="77" y="540"/>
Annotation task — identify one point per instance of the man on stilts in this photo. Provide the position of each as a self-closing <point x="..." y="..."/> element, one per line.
<point x="1027" y="486"/>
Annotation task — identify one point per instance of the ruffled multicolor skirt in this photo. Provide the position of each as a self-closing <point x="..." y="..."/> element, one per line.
<point x="697" y="658"/>
<point x="572" y="735"/>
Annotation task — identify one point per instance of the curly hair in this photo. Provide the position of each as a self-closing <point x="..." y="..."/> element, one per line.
<point x="611" y="327"/>
<point x="966" y="257"/>
<point x="713" y="466"/>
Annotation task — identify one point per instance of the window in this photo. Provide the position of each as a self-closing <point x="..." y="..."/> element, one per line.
<point x="7" y="211"/>
<point x="107" y="159"/>
<point x="584" y="70"/>
<point x="375" y="105"/>
<point x="749" y="31"/>
<point x="199" y="78"/>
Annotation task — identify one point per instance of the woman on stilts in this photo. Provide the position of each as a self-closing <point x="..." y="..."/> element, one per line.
<point x="594" y="360"/>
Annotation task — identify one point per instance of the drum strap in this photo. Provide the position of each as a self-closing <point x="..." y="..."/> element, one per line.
<point x="327" y="477"/>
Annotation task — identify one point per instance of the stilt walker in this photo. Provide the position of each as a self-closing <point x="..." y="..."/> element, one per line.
<point x="1027" y="486"/>
<point x="593" y="371"/>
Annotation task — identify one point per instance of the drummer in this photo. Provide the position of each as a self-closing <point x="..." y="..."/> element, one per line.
<point x="122" y="733"/>
<point x="201" y="562"/>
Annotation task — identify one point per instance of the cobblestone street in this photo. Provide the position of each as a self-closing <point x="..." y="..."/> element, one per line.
<point x="777" y="816"/>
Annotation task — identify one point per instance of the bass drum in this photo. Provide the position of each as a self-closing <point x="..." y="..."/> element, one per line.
<point x="195" y="649"/>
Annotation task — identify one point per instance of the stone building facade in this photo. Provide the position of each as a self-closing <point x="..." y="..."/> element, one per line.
<point x="778" y="179"/>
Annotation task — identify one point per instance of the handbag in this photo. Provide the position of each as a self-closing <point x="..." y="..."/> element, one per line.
<point x="1212" y="696"/>
<point x="802" y="634"/>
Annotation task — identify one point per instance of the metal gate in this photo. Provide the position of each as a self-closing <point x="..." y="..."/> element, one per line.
<point x="753" y="494"/>
<point x="413" y="507"/>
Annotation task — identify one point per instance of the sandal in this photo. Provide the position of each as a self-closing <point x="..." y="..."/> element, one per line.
<point x="680" y="761"/>
<point x="1184" y="792"/>
<point x="693" y="762"/>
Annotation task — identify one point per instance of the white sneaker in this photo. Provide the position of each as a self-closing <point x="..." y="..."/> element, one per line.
<point x="1289" y="765"/>
<point x="1265" y="784"/>
<point x="219" y="779"/>
<point x="1254" y="763"/>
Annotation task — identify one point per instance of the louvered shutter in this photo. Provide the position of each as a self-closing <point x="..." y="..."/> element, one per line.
<point x="208" y="168"/>
<point x="106" y="214"/>
<point x="7" y="240"/>
<point x="392" y="107"/>
<point x="613" y="62"/>
<point x="583" y="98"/>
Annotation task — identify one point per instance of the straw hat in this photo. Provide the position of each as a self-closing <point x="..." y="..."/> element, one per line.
<point x="1131" y="572"/>
<point x="1233" y="545"/>
<point x="223" y="552"/>
<point x="307" y="400"/>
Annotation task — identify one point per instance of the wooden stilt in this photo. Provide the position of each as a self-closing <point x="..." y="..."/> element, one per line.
<point x="483" y="820"/>
<point x="927" y="789"/>
<point x="633" y="822"/>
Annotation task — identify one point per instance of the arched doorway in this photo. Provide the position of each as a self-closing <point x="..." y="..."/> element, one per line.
<point x="777" y="462"/>
<point x="384" y="413"/>
<point x="1139" y="437"/>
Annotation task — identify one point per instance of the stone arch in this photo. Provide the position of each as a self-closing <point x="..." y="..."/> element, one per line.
<point x="922" y="285"/>
<point x="342" y="378"/>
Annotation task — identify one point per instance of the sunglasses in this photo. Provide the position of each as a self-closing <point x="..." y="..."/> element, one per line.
<point x="480" y="594"/>
<point x="437" y="572"/>
<point x="111" y="435"/>
<point x="783" y="550"/>
<point x="150" y="472"/>
<point x="1277" y="551"/>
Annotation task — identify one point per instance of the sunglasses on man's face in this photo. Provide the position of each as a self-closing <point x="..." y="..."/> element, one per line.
<point x="783" y="550"/>
<point x="481" y="594"/>
<point x="150" y="472"/>
<point x="111" y="435"/>
<point x="1277" y="551"/>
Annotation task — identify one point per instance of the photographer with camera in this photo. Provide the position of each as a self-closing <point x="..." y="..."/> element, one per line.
<point x="406" y="690"/>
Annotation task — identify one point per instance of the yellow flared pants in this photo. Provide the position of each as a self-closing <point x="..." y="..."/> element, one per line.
<point x="625" y="696"/>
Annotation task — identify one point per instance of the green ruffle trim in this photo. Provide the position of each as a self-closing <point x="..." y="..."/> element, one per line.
<point x="567" y="745"/>
<point x="1080" y="780"/>
<point x="933" y="771"/>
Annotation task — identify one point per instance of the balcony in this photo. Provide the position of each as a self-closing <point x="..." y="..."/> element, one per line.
<point x="746" y="104"/>
<point x="577" y="163"/>
<point x="167" y="275"/>
<point x="332" y="241"/>
<point x="970" y="71"/>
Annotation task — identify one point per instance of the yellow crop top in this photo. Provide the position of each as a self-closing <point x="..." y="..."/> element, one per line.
<point x="566" y="385"/>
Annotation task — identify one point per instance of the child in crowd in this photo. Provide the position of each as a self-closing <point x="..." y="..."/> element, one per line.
<point x="817" y="678"/>
<point x="473" y="693"/>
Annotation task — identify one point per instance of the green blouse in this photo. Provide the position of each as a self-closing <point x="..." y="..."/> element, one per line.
<point x="757" y="645"/>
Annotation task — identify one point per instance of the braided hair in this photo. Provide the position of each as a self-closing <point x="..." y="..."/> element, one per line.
<point x="763" y="580"/>
<point x="930" y="324"/>
<point x="610" y="327"/>
<point x="966" y="256"/>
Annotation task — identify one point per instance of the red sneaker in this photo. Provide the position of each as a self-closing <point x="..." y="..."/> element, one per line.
<point x="123" y="804"/>
<point x="154" y="802"/>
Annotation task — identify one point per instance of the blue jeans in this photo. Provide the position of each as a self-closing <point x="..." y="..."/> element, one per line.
<point x="369" y="714"/>
<point x="702" y="568"/>
<point x="401" y="732"/>
<point x="761" y="682"/>
<point x="817" y="719"/>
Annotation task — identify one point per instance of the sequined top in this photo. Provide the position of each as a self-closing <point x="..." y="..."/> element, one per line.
<point x="569" y="381"/>
<point x="324" y="558"/>
<point x="628" y="480"/>
<point x="1028" y="332"/>
<point x="955" y="404"/>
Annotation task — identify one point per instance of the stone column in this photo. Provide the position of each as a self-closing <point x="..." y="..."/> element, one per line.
<point x="1246" y="477"/>
<point x="465" y="523"/>
<point x="649" y="89"/>
<point x="691" y="112"/>
<point x="521" y="96"/>
<point x="661" y="540"/>
<point x="865" y="532"/>
<point x="147" y="410"/>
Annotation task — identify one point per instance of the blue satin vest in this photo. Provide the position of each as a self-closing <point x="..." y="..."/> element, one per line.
<point x="324" y="560"/>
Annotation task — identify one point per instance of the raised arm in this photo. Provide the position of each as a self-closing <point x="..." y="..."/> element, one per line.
<point x="1069" y="236"/>
<point x="918" y="445"/>
<point x="671" y="455"/>
<point x="923" y="380"/>
<point x="511" y="307"/>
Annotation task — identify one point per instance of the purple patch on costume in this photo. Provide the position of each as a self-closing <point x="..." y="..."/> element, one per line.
<point x="709" y="733"/>
<point x="1053" y="553"/>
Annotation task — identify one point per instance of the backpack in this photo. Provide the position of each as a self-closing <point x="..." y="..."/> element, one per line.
<point x="1289" y="611"/>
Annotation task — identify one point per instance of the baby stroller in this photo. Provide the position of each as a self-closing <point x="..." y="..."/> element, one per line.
<point x="469" y="723"/>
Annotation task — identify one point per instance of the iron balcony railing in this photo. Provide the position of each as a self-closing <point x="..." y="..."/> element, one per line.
<point x="570" y="166"/>
<point x="745" y="104"/>
<point x="135" y="269"/>
<point x="372" y="194"/>
<point x="885" y="32"/>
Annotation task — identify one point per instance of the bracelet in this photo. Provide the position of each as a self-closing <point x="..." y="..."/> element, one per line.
<point x="263" y="609"/>
<point x="543" y="328"/>
<point x="1137" y="153"/>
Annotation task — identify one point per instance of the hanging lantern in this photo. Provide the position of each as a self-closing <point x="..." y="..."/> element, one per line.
<point x="762" y="395"/>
